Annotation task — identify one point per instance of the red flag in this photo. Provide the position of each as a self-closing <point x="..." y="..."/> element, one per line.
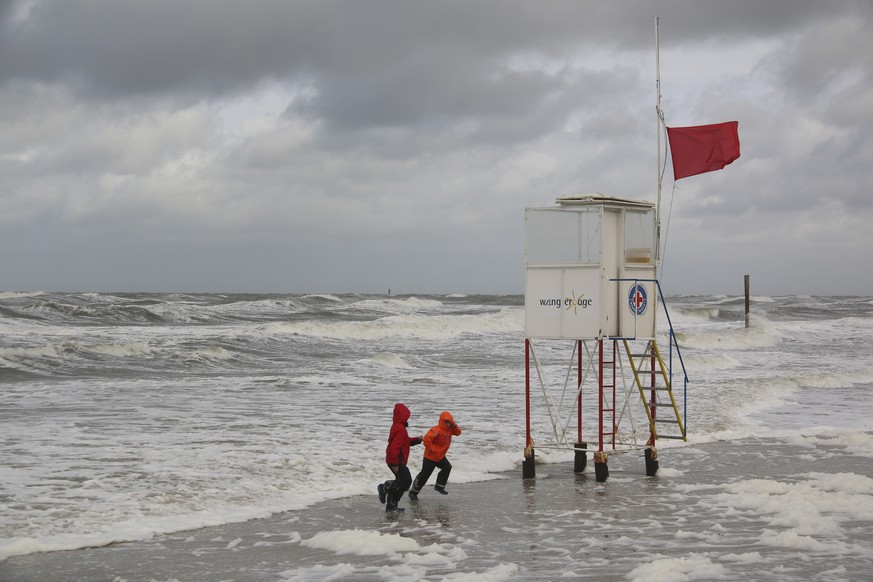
<point x="703" y="148"/>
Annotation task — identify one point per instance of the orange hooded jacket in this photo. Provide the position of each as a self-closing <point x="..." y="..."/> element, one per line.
<point x="439" y="438"/>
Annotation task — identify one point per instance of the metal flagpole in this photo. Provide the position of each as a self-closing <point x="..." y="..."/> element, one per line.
<point x="660" y="121"/>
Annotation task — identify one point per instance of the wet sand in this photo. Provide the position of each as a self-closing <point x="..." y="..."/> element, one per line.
<point x="680" y="524"/>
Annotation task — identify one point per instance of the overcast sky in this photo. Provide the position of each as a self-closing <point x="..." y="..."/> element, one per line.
<point x="357" y="146"/>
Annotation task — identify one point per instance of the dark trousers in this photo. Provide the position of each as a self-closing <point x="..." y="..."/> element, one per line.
<point x="427" y="468"/>
<point x="395" y="489"/>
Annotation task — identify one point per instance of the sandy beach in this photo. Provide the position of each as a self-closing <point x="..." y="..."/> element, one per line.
<point x="761" y="509"/>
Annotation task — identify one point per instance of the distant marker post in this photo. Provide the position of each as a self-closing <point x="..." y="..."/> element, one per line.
<point x="747" y="299"/>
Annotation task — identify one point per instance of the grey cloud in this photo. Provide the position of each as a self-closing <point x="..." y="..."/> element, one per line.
<point x="409" y="135"/>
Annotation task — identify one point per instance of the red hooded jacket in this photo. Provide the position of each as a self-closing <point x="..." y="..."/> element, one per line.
<point x="397" y="452"/>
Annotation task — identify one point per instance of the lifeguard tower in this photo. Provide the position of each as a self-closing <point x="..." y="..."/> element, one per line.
<point x="591" y="288"/>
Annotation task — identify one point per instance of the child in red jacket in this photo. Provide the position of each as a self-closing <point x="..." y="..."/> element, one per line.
<point x="396" y="457"/>
<point x="436" y="444"/>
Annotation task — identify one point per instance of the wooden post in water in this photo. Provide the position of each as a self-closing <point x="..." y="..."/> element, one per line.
<point x="747" y="300"/>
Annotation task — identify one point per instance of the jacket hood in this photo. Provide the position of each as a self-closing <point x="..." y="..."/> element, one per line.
<point x="444" y="416"/>
<point x="401" y="413"/>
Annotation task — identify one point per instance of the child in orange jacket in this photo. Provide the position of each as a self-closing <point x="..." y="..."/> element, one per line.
<point x="436" y="444"/>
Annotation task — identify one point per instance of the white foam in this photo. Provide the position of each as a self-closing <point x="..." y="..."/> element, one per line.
<point x="731" y="337"/>
<point x="858" y="443"/>
<point x="744" y="558"/>
<point x="702" y="362"/>
<point x="794" y="540"/>
<point x="764" y="299"/>
<point x="692" y="567"/>
<point x="390" y="360"/>
<point x="27" y="358"/>
<point x="320" y="572"/>
<point x="418" y="303"/>
<point x="362" y="543"/>
<point x="20" y="294"/>
<point x="669" y="472"/>
<point x="688" y="315"/>
<point x="809" y="515"/>
<point x="136" y="349"/>
<point x="325" y="296"/>
<point x="406" y="326"/>
<point x="375" y="543"/>
<point x="398" y="304"/>
<point x="499" y="573"/>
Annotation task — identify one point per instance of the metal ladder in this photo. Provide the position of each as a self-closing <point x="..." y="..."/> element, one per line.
<point x="652" y="379"/>
<point x="607" y="396"/>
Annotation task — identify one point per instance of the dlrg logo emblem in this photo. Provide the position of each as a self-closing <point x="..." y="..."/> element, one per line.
<point x="637" y="299"/>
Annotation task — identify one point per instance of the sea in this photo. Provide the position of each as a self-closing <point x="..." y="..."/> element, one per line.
<point x="127" y="418"/>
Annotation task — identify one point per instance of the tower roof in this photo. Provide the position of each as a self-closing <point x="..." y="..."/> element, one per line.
<point x="598" y="199"/>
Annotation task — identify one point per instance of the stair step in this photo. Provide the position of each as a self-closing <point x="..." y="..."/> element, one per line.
<point x="671" y="437"/>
